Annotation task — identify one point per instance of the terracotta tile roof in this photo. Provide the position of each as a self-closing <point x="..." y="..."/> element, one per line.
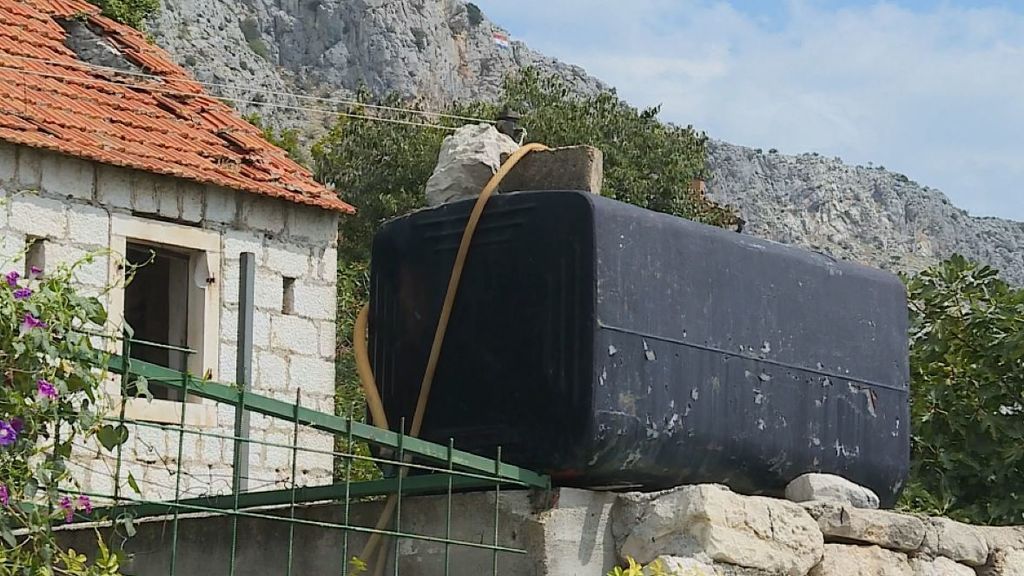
<point x="50" y="99"/>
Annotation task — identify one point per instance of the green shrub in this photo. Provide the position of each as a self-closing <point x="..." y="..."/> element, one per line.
<point x="131" y="12"/>
<point x="474" y="14"/>
<point x="967" y="392"/>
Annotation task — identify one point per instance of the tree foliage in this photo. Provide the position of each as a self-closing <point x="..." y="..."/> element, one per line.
<point x="286" y="139"/>
<point x="382" y="168"/>
<point x="967" y="387"/>
<point x="131" y="12"/>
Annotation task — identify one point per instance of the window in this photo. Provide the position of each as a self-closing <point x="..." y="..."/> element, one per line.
<point x="35" y="254"/>
<point x="153" y="306"/>
<point x="174" y="300"/>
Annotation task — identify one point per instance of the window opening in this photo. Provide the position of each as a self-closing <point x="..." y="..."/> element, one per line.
<point x="288" y="301"/>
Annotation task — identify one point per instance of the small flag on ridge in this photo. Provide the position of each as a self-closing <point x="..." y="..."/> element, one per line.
<point x="502" y="40"/>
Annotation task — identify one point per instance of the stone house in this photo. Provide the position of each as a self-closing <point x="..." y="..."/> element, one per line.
<point x="109" y="148"/>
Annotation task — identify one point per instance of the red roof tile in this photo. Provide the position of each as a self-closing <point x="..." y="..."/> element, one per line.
<point x="167" y="125"/>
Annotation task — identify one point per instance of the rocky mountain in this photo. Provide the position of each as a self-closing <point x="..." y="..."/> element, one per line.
<point x="262" y="52"/>
<point x="858" y="213"/>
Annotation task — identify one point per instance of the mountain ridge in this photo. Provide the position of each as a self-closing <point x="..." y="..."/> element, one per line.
<point x="261" y="53"/>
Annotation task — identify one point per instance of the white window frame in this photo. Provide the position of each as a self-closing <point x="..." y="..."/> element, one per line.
<point x="203" y="312"/>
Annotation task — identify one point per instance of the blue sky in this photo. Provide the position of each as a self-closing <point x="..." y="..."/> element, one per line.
<point x="934" y="90"/>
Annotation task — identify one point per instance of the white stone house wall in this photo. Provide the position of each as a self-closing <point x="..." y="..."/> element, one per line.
<point x="80" y="207"/>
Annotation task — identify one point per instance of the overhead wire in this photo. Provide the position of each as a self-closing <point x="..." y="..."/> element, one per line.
<point x="248" y="89"/>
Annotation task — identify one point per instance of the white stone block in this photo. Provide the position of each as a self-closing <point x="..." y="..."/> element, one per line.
<point x="221" y="205"/>
<point x="268" y="293"/>
<point x="237" y="241"/>
<point x="42" y="217"/>
<point x="229" y="271"/>
<point x="144" y="196"/>
<point x="265" y="214"/>
<point x="260" y="329"/>
<point x="191" y="201"/>
<point x="290" y="260"/>
<point x="88" y="225"/>
<point x="113" y="187"/>
<point x="228" y="354"/>
<point x="30" y="168"/>
<point x="313" y="375"/>
<point x="228" y="325"/>
<point x="328" y="340"/>
<point x="317" y="302"/>
<point x="12" y="248"/>
<point x="327" y="268"/>
<point x="4" y="206"/>
<point x="315" y="224"/>
<point x="8" y="162"/>
<point x="168" y="197"/>
<point x="278" y="458"/>
<point x="272" y="372"/>
<point x="212" y="450"/>
<point x="92" y="266"/>
<point x="293" y="333"/>
<point x="67" y="176"/>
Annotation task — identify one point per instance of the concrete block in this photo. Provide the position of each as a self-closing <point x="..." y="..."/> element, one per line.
<point x="315" y="225"/>
<point x="8" y="162"/>
<point x="272" y="371"/>
<point x="261" y="329"/>
<point x="228" y="361"/>
<point x="191" y="201"/>
<point x="328" y="340"/>
<point x="293" y="333"/>
<point x="317" y="302"/>
<point x="211" y="450"/>
<point x="264" y="214"/>
<point x="144" y="194"/>
<point x="572" y="168"/>
<point x="221" y="205"/>
<point x="229" y="325"/>
<point x="89" y="225"/>
<point x="12" y="257"/>
<point x="35" y="216"/>
<point x="4" y="206"/>
<point x="268" y="293"/>
<point x="92" y="267"/>
<point x="312" y="375"/>
<point x="168" y="197"/>
<point x="113" y="187"/>
<point x="237" y="241"/>
<point x="30" y="168"/>
<point x="327" y="265"/>
<point x="288" y="259"/>
<point x="67" y="176"/>
<point x="229" y="271"/>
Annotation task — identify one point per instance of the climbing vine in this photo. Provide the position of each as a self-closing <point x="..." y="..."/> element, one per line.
<point x="50" y="400"/>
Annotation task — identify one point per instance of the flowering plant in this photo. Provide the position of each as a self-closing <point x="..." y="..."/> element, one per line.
<point x="50" y="399"/>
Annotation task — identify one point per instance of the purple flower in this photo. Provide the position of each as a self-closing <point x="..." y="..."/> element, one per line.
<point x="46" y="390"/>
<point x="5" y="495"/>
<point x="12" y="278"/>
<point x="35" y="272"/>
<point x="69" y="509"/>
<point x="84" y="504"/>
<point x="30" y="322"/>
<point x="8" y="435"/>
<point x="22" y="293"/>
<point x="17" y="424"/>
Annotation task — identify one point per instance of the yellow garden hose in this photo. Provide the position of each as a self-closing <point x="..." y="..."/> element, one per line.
<point x="362" y="357"/>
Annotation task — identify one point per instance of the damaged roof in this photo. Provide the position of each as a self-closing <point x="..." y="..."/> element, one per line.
<point x="79" y="83"/>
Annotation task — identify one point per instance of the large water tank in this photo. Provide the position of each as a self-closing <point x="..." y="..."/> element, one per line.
<point x="612" y="346"/>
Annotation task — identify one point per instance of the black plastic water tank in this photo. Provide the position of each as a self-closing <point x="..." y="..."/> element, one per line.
<point x="608" y="345"/>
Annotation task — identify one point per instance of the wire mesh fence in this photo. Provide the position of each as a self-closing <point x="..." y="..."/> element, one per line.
<point x="187" y="481"/>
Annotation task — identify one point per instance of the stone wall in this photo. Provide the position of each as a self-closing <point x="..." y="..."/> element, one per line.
<point x="703" y="530"/>
<point x="74" y="207"/>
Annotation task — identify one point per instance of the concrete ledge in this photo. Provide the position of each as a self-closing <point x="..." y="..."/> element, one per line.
<point x="571" y="168"/>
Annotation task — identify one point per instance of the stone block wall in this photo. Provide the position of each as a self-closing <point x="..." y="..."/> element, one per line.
<point x="72" y="206"/>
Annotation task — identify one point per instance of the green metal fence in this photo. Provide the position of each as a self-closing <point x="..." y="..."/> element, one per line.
<point x="412" y="467"/>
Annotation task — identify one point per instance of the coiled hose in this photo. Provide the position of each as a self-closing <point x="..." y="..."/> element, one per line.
<point x="366" y="378"/>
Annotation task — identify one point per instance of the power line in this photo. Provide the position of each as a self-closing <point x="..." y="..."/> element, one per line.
<point x="229" y="99"/>
<point x="335" y="101"/>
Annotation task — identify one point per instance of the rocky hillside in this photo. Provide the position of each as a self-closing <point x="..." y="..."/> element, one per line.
<point x="444" y="50"/>
<point x="438" y="50"/>
<point x="858" y="213"/>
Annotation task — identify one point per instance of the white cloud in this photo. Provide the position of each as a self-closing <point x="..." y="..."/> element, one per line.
<point x="935" y="94"/>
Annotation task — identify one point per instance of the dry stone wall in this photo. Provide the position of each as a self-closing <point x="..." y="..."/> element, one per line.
<point x="708" y="530"/>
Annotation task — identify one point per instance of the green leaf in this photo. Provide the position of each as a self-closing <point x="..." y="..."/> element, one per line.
<point x="134" y="485"/>
<point x="112" y="436"/>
